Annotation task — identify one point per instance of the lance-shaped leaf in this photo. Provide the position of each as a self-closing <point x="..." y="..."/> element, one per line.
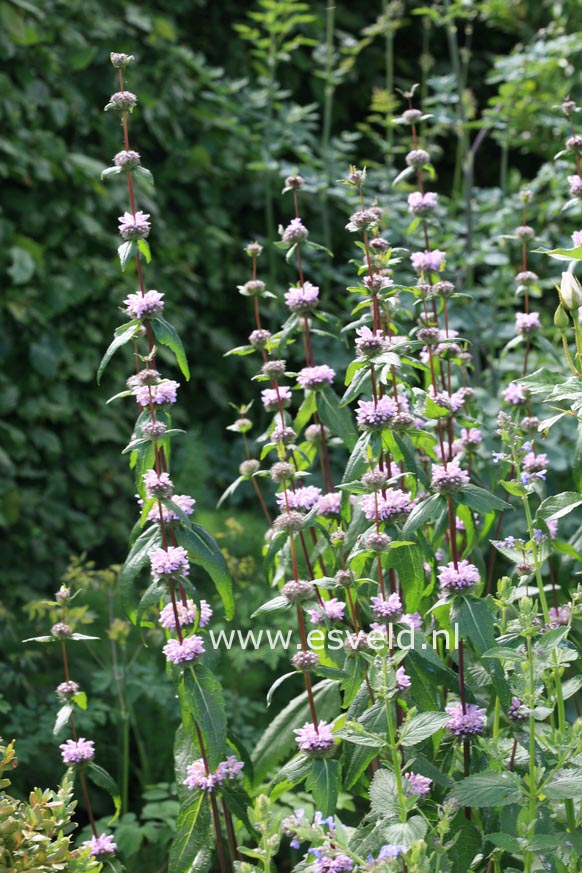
<point x="202" y="694"/>
<point x="137" y="559"/>
<point x="104" y="780"/>
<point x="191" y="850"/>
<point x="167" y="335"/>
<point x="123" y="334"/>
<point x="203" y="550"/>
<point x="323" y="783"/>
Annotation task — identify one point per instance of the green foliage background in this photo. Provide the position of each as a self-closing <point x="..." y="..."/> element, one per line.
<point x="201" y="129"/>
<point x="225" y="112"/>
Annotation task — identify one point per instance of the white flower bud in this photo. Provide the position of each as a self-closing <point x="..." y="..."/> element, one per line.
<point x="570" y="292"/>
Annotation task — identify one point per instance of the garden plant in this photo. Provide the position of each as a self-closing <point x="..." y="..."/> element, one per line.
<point x="402" y="555"/>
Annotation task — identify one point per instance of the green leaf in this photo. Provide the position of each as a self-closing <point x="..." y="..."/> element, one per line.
<point x="559" y="505"/>
<point x="424" y="513"/>
<point x="408" y="563"/>
<point x="488" y="789"/>
<point x="505" y="841"/>
<point x="337" y="418"/>
<point x="476" y="622"/>
<point x="191" y="850"/>
<point x="126" y="335"/>
<point x="358" y="460"/>
<point x="202" y="694"/>
<point x="279" y="739"/>
<point x="574" y="254"/>
<point x="203" y="550"/>
<point x="151" y="597"/>
<point x="467" y="843"/>
<point x="407" y="833"/>
<point x="421" y="726"/>
<point x="125" y="252"/>
<point x="356" y="758"/>
<point x="144" y="249"/>
<point x="110" y="171"/>
<point x="542" y="380"/>
<point x="514" y="488"/>
<point x="273" y="605"/>
<point x="149" y="539"/>
<point x="480" y="500"/>
<point x="323" y="783"/>
<point x="63" y="716"/>
<point x="306" y="410"/>
<point x="104" y="780"/>
<point x="166" y="335"/>
<point x="290" y="775"/>
<point x="383" y="795"/>
<point x="564" y="784"/>
<point x="80" y="699"/>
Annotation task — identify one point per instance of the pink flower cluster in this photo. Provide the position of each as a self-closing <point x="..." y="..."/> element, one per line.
<point x="302" y="299"/>
<point x="190" y="649"/>
<point x="169" y="562"/>
<point x="186" y="614"/>
<point x="314" y="741"/>
<point x="77" y="751"/>
<point x="199" y="777"/>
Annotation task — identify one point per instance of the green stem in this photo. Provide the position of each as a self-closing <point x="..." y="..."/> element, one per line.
<point x="396" y="764"/>
<point x="578" y="337"/>
<point x="532" y="754"/>
<point x="539" y="580"/>
<point x="497" y="713"/>
<point x="569" y="804"/>
<point x="568" y="355"/>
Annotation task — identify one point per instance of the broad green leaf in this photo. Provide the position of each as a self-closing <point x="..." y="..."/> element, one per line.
<point x="358" y="460"/>
<point x="383" y="795"/>
<point x="574" y="254"/>
<point x="356" y="758"/>
<point x="480" y="500"/>
<point x="514" y="488"/>
<point x="489" y="789"/>
<point x="125" y="251"/>
<point x="202" y="694"/>
<point x="408" y="563"/>
<point x="166" y="335"/>
<point x="425" y="512"/>
<point x="120" y="339"/>
<point x="337" y="418"/>
<point x="63" y="716"/>
<point x="418" y="728"/>
<point x="466" y="845"/>
<point x="290" y="775"/>
<point x="505" y="841"/>
<point x="564" y="784"/>
<point x="323" y="783"/>
<point x="475" y="621"/>
<point x="203" y="550"/>
<point x="151" y="597"/>
<point x="191" y="850"/>
<point x="279" y="739"/>
<point x="559" y="505"/>
<point x="137" y="559"/>
<point x="104" y="780"/>
<point x="144" y="249"/>
<point x="407" y="833"/>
